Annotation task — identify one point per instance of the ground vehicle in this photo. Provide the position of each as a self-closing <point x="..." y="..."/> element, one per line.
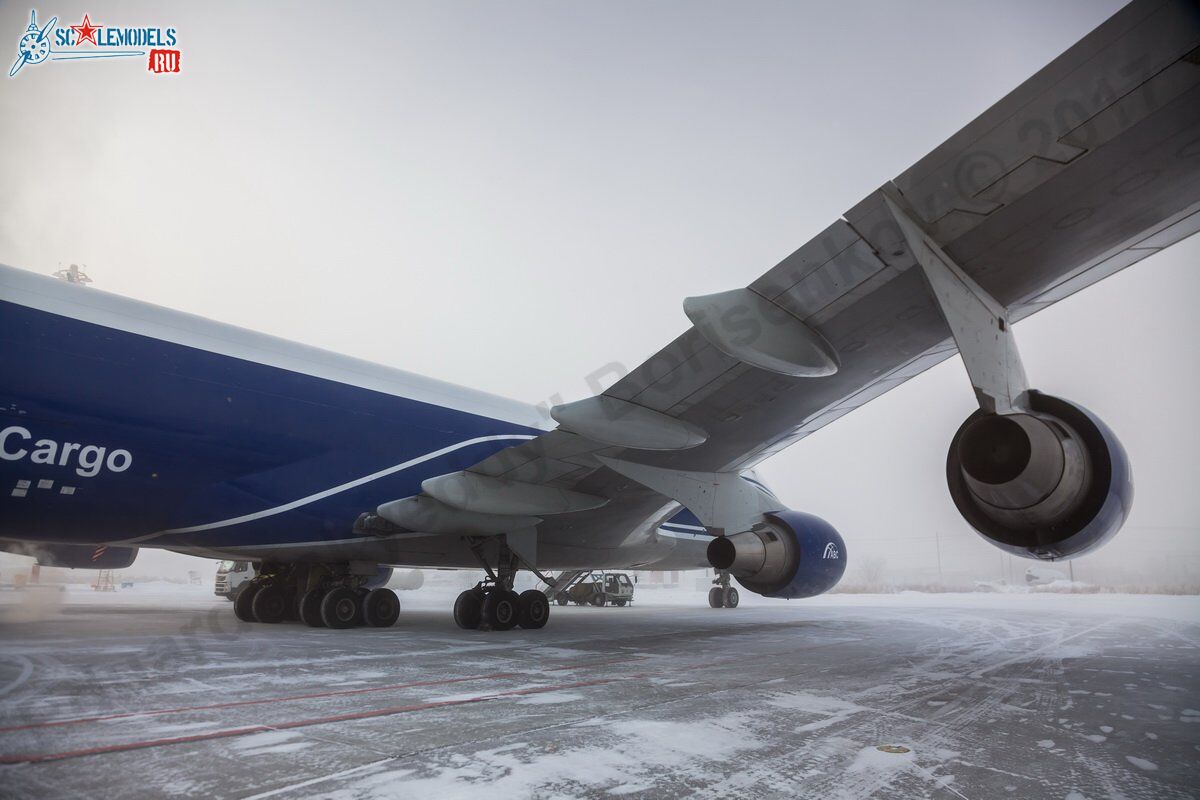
<point x="598" y="589"/>
<point x="231" y="576"/>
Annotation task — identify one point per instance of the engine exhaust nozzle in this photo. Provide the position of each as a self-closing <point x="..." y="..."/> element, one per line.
<point x="757" y="554"/>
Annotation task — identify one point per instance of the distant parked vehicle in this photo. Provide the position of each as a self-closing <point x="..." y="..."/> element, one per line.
<point x="599" y="589"/>
<point x="231" y="577"/>
<point x="1043" y="576"/>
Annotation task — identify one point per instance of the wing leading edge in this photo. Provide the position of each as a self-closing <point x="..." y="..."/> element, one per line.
<point x="1086" y="168"/>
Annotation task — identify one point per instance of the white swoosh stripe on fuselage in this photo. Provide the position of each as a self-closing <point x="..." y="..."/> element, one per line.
<point x="312" y="498"/>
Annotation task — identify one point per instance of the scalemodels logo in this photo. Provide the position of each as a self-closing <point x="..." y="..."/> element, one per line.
<point x="86" y="40"/>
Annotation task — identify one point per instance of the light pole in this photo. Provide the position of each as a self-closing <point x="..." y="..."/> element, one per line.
<point x="937" y="541"/>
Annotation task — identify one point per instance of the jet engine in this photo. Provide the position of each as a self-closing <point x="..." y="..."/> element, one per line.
<point x="1050" y="484"/>
<point x="790" y="554"/>
<point x="380" y="578"/>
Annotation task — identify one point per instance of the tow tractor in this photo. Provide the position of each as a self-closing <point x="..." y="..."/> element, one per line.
<point x="231" y="577"/>
<point x="598" y="589"/>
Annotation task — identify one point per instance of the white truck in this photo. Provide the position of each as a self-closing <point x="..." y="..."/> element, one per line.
<point x="231" y="576"/>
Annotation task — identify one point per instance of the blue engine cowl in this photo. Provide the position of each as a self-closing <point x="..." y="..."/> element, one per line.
<point x="790" y="554"/>
<point x="1051" y="484"/>
<point x="380" y="578"/>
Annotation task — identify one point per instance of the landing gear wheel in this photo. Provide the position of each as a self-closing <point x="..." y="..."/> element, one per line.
<point x="341" y="608"/>
<point x="500" y="610"/>
<point x="310" y="608"/>
<point x="731" y="597"/>
<point x="269" y="604"/>
<point x="362" y="605"/>
<point x="563" y="600"/>
<point x="381" y="609"/>
<point x="468" y="609"/>
<point x="243" y="605"/>
<point x="597" y="600"/>
<point x="716" y="597"/>
<point x="533" y="609"/>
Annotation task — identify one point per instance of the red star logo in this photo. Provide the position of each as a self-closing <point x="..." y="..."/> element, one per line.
<point x="85" y="32"/>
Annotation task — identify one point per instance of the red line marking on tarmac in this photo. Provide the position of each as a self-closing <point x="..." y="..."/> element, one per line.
<point x="311" y="696"/>
<point x="39" y="758"/>
<point x="116" y="748"/>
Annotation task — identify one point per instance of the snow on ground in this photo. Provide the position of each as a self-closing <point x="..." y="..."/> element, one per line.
<point x="158" y="691"/>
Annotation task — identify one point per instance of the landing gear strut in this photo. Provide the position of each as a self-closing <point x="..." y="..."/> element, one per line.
<point x="722" y="595"/>
<point x="492" y="604"/>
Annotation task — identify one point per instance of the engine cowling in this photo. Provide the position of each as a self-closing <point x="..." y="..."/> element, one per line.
<point x="380" y="578"/>
<point x="790" y="554"/>
<point x="1051" y="484"/>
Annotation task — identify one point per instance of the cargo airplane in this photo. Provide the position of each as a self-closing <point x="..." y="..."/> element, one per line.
<point x="125" y="425"/>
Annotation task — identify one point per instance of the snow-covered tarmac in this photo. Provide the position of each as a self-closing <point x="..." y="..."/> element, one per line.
<point x="160" y="692"/>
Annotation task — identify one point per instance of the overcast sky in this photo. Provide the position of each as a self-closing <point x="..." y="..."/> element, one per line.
<point x="511" y="195"/>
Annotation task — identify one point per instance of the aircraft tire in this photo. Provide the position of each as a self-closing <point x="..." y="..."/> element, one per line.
<point x="381" y="608"/>
<point x="730" y="598"/>
<point x="269" y="605"/>
<point x="243" y="607"/>
<point x="341" y="608"/>
<point x="716" y="597"/>
<point x="309" y="608"/>
<point x="468" y="610"/>
<point x="533" y="609"/>
<point x="500" y="610"/>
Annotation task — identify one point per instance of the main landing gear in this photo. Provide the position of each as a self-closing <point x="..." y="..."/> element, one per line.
<point x="492" y="605"/>
<point x="722" y="595"/>
<point x="319" y="595"/>
<point x="496" y="608"/>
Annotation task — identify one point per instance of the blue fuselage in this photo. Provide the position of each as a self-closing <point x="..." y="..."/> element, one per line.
<point x="107" y="435"/>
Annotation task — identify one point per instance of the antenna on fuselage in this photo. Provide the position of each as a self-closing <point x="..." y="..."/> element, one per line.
<point x="73" y="274"/>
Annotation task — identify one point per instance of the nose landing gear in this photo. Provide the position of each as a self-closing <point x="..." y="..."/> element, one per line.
<point x="722" y="595"/>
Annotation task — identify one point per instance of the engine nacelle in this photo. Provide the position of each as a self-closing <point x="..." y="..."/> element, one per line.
<point x="791" y="554"/>
<point x="380" y="578"/>
<point x="1051" y="484"/>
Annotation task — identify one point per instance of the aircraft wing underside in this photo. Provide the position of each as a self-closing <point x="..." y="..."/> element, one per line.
<point x="1088" y="167"/>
